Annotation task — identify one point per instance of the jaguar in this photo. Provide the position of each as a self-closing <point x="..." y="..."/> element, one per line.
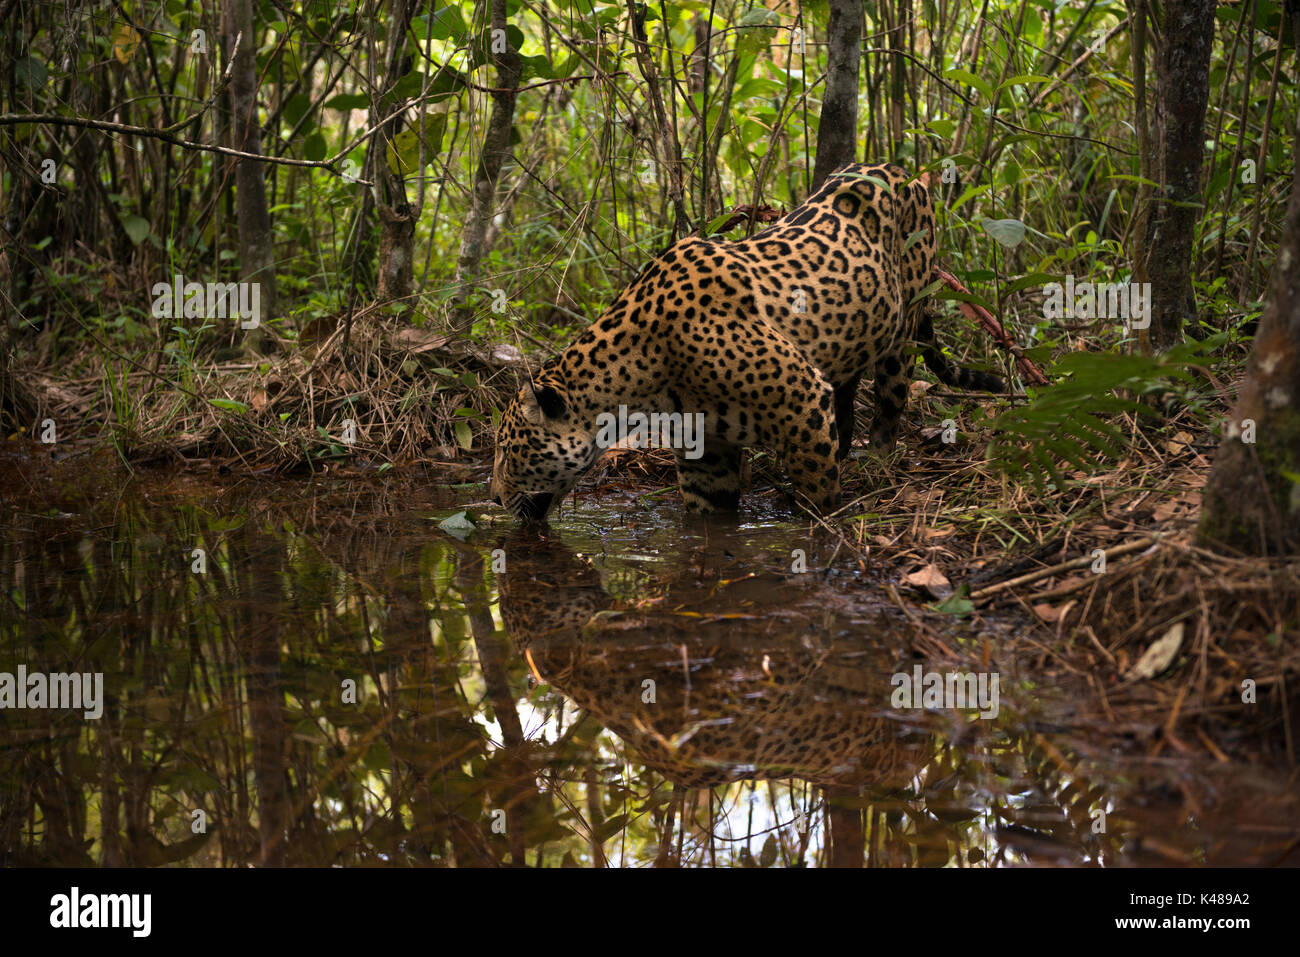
<point x="769" y="337"/>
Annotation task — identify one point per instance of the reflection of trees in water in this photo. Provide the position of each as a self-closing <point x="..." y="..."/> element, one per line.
<point x="223" y="693"/>
<point x="763" y="689"/>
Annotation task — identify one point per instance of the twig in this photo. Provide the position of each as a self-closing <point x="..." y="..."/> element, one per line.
<point x="1073" y="563"/>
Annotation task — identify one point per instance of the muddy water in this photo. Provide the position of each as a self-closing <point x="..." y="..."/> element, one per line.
<point x="319" y="672"/>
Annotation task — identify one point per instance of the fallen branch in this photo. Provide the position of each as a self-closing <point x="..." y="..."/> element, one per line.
<point x="1116" y="552"/>
<point x="1033" y="375"/>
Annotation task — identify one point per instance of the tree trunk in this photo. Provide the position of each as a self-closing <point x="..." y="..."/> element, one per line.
<point x="837" y="135"/>
<point x="256" y="247"/>
<point x="1251" y="503"/>
<point x="396" y="251"/>
<point x="396" y="216"/>
<point x="1183" y="91"/>
<point x="496" y="148"/>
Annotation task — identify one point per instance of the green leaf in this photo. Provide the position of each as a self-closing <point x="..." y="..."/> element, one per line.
<point x="929" y="290"/>
<point x="953" y="294"/>
<point x="756" y="30"/>
<point x="230" y="405"/>
<point x="538" y="66"/>
<point x="31" y="73"/>
<point x="970" y="193"/>
<point x="1064" y="422"/>
<point x="296" y="108"/>
<point x="137" y="228"/>
<point x="944" y="128"/>
<point x="759" y="17"/>
<point x="717" y="224"/>
<point x="446" y="24"/>
<point x="956" y="604"/>
<point x="609" y="828"/>
<point x="1135" y="179"/>
<point x="464" y="437"/>
<point x="404" y="150"/>
<point x="970" y="79"/>
<point x="313" y="148"/>
<point x="1008" y="232"/>
<point x="408" y="86"/>
<point x="873" y="180"/>
<point x="348" y="101"/>
<point x="1029" y="279"/>
<point x="1024" y="79"/>
<point x="757" y="86"/>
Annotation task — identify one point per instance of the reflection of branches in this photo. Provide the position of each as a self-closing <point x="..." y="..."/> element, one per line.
<point x="520" y="780"/>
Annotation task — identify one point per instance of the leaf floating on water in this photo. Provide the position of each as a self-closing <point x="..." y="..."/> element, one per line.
<point x="1159" y="656"/>
<point x="458" y="525"/>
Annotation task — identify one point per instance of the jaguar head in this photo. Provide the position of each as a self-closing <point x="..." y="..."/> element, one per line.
<point x="542" y="451"/>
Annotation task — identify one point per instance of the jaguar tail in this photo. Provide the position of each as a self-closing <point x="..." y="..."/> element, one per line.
<point x="948" y="372"/>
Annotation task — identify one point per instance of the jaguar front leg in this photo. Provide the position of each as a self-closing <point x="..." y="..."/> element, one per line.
<point x="844" y="399"/>
<point x="808" y="439"/>
<point x="710" y="482"/>
<point x="893" y="378"/>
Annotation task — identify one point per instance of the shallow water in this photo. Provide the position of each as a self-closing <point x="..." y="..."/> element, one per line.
<point x="337" y="679"/>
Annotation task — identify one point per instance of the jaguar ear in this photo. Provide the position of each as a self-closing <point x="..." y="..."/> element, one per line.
<point x="552" y="402"/>
<point x="542" y="401"/>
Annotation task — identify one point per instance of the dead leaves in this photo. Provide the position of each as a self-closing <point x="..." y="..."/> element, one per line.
<point x="929" y="579"/>
<point x="1159" y="656"/>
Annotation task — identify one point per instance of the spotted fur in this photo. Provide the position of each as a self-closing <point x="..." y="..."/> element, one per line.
<point x="720" y="327"/>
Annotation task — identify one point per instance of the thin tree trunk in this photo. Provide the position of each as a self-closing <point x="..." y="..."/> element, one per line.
<point x="496" y="148"/>
<point x="260" y="656"/>
<point x="1183" y="83"/>
<point x="837" y="136"/>
<point x="670" y="152"/>
<point x="256" y="246"/>
<point x="1138" y="14"/>
<point x="396" y="216"/>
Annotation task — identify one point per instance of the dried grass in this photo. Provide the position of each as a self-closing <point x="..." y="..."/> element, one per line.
<point x="289" y="409"/>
